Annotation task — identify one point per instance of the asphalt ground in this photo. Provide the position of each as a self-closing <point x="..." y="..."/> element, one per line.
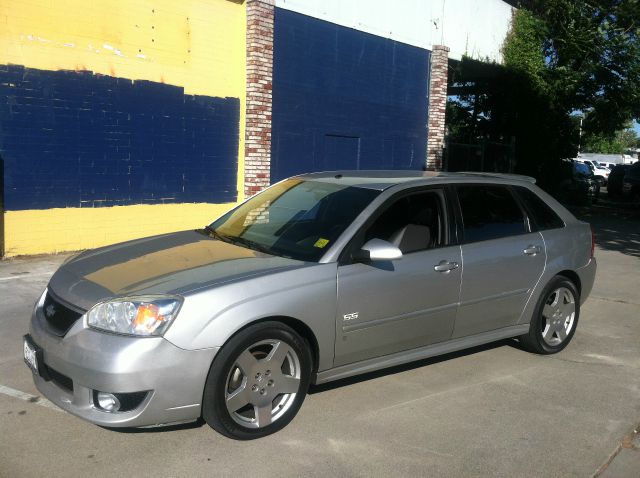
<point x="490" y="411"/>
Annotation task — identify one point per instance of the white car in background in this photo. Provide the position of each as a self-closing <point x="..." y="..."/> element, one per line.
<point x="600" y="171"/>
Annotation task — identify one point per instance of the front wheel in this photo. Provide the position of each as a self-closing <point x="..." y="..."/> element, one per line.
<point x="555" y="318"/>
<point x="258" y="381"/>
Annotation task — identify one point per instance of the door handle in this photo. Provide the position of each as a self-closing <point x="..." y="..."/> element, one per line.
<point x="445" y="266"/>
<point x="532" y="250"/>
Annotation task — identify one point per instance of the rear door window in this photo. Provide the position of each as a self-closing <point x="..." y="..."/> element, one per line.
<point x="539" y="212"/>
<point x="489" y="212"/>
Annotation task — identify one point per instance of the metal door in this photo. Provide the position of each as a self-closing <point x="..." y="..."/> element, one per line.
<point x="398" y="305"/>
<point x="498" y="277"/>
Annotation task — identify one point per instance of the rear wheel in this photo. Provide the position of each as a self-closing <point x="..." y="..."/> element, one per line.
<point x="258" y="381"/>
<point x="555" y="318"/>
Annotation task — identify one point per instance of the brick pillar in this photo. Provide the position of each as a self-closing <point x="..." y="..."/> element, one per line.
<point x="437" y="104"/>
<point x="257" y="144"/>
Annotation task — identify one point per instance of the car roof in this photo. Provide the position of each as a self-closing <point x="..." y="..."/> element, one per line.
<point x="381" y="180"/>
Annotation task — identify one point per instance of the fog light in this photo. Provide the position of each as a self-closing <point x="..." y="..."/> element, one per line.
<point x="108" y="401"/>
<point x="119" y="402"/>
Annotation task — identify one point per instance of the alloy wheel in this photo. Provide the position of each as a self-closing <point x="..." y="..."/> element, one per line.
<point x="558" y="313"/>
<point x="262" y="384"/>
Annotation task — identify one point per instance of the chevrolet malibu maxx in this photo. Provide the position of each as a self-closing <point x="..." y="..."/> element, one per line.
<point x="319" y="277"/>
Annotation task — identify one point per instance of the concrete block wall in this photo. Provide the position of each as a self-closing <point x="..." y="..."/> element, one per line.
<point x="118" y="119"/>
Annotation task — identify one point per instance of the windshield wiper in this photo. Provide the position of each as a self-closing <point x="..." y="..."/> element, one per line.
<point x="211" y="232"/>
<point x="256" y="246"/>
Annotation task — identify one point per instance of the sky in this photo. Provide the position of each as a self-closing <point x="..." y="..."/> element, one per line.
<point x="636" y="126"/>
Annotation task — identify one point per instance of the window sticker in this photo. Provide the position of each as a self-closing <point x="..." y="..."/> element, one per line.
<point x="320" y="243"/>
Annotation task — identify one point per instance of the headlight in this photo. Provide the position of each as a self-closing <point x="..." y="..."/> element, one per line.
<point x="135" y="315"/>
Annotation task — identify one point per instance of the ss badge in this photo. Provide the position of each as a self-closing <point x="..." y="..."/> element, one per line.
<point x="351" y="316"/>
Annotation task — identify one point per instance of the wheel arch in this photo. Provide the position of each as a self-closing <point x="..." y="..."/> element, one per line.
<point x="298" y="326"/>
<point x="573" y="277"/>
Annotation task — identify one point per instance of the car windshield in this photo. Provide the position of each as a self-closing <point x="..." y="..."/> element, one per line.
<point x="582" y="169"/>
<point x="295" y="218"/>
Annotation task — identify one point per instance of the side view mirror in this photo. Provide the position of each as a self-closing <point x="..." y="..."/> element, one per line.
<point x="377" y="250"/>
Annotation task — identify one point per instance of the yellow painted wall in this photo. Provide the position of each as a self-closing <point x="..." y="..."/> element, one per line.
<point x="196" y="44"/>
<point x="72" y="229"/>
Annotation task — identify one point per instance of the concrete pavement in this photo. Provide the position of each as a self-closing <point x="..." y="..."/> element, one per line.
<point x="490" y="411"/>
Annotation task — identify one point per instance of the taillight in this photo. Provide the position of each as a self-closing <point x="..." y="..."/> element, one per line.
<point x="593" y="241"/>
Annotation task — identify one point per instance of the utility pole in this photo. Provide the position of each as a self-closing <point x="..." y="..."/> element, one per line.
<point x="580" y="136"/>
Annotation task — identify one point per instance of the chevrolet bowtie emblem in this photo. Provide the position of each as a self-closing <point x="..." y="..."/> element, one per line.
<point x="50" y="310"/>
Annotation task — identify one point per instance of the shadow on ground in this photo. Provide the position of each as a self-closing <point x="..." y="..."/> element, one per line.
<point x="411" y="365"/>
<point x="615" y="223"/>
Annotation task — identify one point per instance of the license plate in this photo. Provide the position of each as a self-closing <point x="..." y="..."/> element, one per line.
<point x="30" y="356"/>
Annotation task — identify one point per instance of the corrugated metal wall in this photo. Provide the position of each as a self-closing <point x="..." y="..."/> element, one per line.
<point x="345" y="99"/>
<point x="475" y="28"/>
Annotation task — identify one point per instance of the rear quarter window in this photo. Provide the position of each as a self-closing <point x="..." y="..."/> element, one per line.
<point x="540" y="213"/>
<point x="489" y="212"/>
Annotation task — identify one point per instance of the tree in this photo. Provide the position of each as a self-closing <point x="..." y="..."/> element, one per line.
<point x="591" y="54"/>
<point x="560" y="57"/>
<point x="619" y="143"/>
<point x="532" y="108"/>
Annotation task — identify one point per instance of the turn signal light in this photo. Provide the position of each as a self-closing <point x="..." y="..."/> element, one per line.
<point x="147" y="318"/>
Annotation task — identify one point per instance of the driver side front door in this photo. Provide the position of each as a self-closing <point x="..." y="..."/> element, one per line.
<point x="391" y="306"/>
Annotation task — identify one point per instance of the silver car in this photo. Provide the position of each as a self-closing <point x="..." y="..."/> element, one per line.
<point x="320" y="277"/>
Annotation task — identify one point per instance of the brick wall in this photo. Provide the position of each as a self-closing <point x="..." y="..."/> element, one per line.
<point x="259" y="56"/>
<point x="437" y="104"/>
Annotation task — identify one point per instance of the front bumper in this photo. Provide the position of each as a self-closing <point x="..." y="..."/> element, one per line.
<point x="94" y="360"/>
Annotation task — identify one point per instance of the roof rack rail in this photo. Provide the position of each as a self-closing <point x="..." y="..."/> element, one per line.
<point x="520" y="177"/>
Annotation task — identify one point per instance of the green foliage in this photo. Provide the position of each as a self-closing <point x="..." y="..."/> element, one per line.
<point x="592" y="58"/>
<point x="522" y="50"/>
<point x="619" y="143"/>
<point x="560" y="57"/>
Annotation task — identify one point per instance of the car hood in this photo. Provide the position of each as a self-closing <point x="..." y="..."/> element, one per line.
<point x="174" y="263"/>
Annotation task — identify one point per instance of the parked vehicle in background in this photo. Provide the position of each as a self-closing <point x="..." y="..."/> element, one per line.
<point x="609" y="166"/>
<point x="318" y="278"/>
<point x="609" y="158"/>
<point x="600" y="172"/>
<point x="577" y="185"/>
<point x="614" y="185"/>
<point x="631" y="183"/>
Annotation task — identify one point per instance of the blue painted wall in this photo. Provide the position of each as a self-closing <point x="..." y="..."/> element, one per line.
<point x="77" y="139"/>
<point x="344" y="99"/>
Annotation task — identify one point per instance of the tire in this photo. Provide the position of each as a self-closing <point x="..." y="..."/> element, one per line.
<point x="549" y="334"/>
<point x="257" y="382"/>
